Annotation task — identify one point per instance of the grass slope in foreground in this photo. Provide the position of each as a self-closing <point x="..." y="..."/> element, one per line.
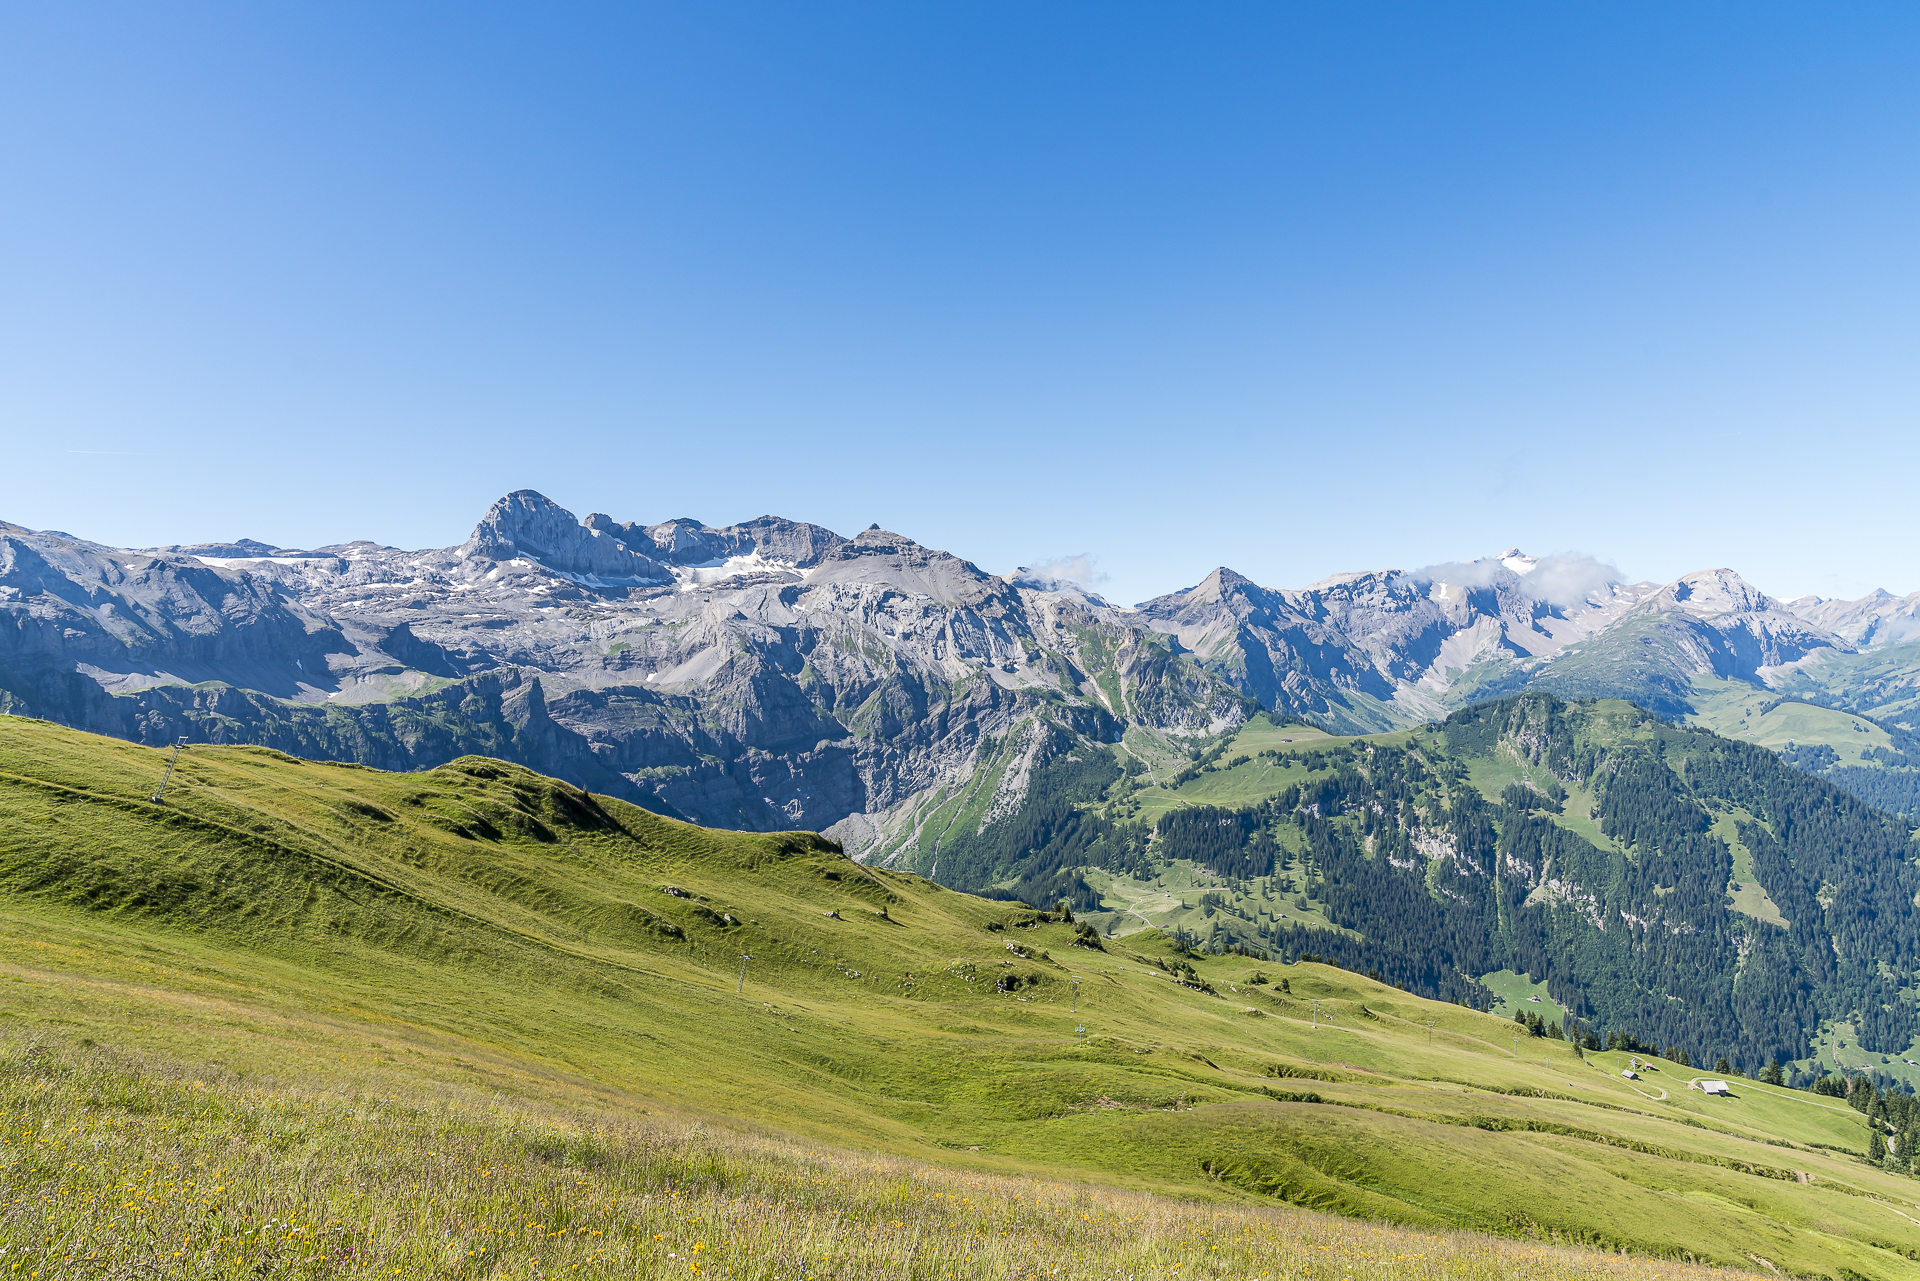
<point x="317" y="1019"/>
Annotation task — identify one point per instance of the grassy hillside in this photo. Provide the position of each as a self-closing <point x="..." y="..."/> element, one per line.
<point x="1738" y="710"/>
<point x="347" y="1021"/>
<point x="1878" y="682"/>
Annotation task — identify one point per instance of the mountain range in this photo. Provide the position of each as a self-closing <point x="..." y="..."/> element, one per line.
<point x="775" y="674"/>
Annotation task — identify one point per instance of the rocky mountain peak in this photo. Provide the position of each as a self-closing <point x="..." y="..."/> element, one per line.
<point x="1228" y="580"/>
<point x="1878" y="618"/>
<point x="526" y="523"/>
<point x="796" y="543"/>
<point x="685" y="541"/>
<point x="1718" y="591"/>
<point x="879" y="556"/>
<point x="1223" y="585"/>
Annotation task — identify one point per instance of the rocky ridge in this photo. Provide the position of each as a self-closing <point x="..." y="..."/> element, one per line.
<point x="766" y="675"/>
<point x="775" y="674"/>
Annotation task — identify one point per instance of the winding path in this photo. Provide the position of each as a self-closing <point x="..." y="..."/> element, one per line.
<point x="1122" y="745"/>
<point x="1175" y="797"/>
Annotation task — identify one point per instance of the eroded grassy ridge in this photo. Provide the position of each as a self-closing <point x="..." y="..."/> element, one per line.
<point x="119" y="1166"/>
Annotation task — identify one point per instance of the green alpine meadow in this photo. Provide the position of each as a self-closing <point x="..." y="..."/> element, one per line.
<point x="302" y="1018"/>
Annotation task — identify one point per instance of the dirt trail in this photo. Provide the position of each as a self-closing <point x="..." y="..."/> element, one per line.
<point x="1122" y="745"/>
<point x="1181" y="801"/>
<point x="1133" y="909"/>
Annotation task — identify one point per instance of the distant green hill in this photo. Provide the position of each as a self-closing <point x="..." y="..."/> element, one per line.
<point x="478" y="927"/>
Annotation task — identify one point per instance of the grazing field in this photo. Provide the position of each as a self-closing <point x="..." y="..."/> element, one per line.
<point x="458" y="1022"/>
<point x="1761" y="716"/>
<point x="1520" y="992"/>
<point x="1180" y="896"/>
<point x="1267" y="767"/>
<point x="119" y="1167"/>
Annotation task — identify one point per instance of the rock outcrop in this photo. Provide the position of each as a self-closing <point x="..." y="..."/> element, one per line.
<point x="531" y="525"/>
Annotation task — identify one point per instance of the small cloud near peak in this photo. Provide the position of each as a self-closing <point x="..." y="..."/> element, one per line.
<point x="1569" y="578"/>
<point x="1564" y="578"/>
<point x="1062" y="571"/>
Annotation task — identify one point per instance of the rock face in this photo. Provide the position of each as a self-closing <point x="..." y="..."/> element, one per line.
<point x="774" y="674"/>
<point x="1752" y="631"/>
<point x="531" y="525"/>
<point x="1382" y="650"/>
<point x="79" y="621"/>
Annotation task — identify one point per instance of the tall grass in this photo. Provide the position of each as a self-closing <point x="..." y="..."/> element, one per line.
<point x="122" y="1167"/>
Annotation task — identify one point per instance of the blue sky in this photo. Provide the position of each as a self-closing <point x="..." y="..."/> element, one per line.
<point x="1293" y="288"/>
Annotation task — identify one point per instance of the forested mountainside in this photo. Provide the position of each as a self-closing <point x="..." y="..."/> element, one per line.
<point x="1886" y="778"/>
<point x="1665" y="883"/>
<point x="775" y="674"/>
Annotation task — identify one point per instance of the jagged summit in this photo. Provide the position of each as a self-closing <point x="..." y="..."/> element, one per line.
<point x="1219" y="585"/>
<point x="528" y="524"/>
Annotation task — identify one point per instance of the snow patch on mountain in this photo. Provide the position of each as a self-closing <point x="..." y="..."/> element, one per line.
<point x="227" y="562"/>
<point x="691" y="577"/>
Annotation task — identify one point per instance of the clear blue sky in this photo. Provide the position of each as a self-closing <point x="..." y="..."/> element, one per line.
<point x="1294" y="288"/>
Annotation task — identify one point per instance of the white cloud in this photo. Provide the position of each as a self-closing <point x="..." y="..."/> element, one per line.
<point x="1564" y="579"/>
<point x="1568" y="578"/>
<point x="1077" y="571"/>
<point x="1464" y="573"/>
